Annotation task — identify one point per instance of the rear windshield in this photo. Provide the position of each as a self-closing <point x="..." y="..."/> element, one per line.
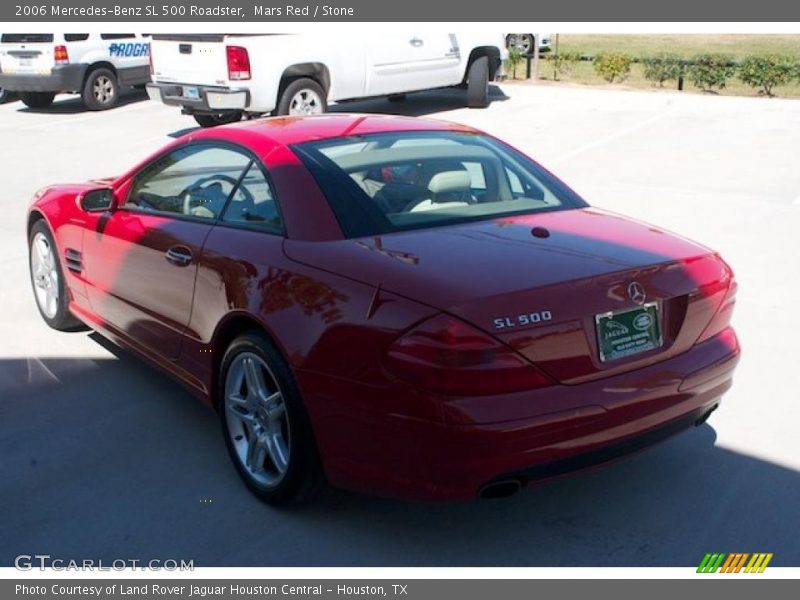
<point x="26" y="38"/>
<point x="411" y="180"/>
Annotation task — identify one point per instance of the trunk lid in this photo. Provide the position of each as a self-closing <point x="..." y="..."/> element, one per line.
<point x="498" y="271"/>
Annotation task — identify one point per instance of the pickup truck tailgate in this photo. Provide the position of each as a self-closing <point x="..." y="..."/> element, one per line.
<point x="195" y="59"/>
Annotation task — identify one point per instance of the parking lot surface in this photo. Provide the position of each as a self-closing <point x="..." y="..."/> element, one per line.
<point x="105" y="458"/>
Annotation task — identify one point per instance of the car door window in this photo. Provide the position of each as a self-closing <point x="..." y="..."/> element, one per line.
<point x="194" y="181"/>
<point x="253" y="202"/>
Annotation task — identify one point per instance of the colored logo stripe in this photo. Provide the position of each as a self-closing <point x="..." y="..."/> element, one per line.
<point x="734" y="562"/>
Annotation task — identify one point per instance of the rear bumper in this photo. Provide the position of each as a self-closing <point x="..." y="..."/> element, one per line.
<point x="62" y="78"/>
<point x="474" y="446"/>
<point x="210" y="99"/>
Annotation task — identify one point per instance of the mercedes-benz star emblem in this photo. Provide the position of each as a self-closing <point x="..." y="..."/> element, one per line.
<point x="636" y="292"/>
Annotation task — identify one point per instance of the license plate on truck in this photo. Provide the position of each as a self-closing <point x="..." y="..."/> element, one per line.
<point x="191" y="93"/>
<point x="630" y="331"/>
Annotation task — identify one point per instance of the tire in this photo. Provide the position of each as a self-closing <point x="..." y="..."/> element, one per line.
<point x="47" y="280"/>
<point x="209" y="120"/>
<point x="6" y="96"/>
<point x="284" y="468"/>
<point x="396" y="97"/>
<point x="302" y="96"/>
<point x="524" y="42"/>
<point x="478" y="83"/>
<point x="37" y="99"/>
<point x="100" y="90"/>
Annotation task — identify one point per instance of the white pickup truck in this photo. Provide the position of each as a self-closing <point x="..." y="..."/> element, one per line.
<point x="221" y="78"/>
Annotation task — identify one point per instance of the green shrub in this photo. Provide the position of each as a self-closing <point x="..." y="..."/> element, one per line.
<point x="767" y="72"/>
<point x="563" y="63"/>
<point x="514" y="59"/>
<point x="710" y="71"/>
<point x="663" y="67"/>
<point x="613" y="66"/>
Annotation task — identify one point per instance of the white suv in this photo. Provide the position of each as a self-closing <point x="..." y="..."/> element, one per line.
<point x="37" y="66"/>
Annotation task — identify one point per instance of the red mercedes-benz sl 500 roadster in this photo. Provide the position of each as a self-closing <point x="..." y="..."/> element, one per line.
<point x="400" y="306"/>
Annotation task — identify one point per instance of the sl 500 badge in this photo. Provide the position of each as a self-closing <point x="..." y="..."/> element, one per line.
<point x="523" y="319"/>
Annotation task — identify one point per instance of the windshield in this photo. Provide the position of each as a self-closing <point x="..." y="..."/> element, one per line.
<point x="410" y="180"/>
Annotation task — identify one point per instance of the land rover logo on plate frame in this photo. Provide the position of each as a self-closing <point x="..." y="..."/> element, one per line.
<point x="629" y="331"/>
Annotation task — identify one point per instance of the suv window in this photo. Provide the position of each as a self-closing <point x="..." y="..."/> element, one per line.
<point x="26" y="38"/>
<point x="254" y="203"/>
<point x="117" y="36"/>
<point x="193" y="181"/>
<point x="76" y="37"/>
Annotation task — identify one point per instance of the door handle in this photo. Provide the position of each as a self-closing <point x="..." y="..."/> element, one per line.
<point x="416" y="42"/>
<point x="179" y="256"/>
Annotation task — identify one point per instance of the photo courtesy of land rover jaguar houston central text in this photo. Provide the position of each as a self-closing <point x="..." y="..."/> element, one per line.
<point x="400" y="306"/>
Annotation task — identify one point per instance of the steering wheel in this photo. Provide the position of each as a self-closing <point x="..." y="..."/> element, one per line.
<point x="201" y="184"/>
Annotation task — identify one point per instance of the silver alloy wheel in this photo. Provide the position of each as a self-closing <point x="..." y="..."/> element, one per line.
<point x="103" y="89"/>
<point x="522" y="42"/>
<point x="306" y="102"/>
<point x="45" y="275"/>
<point x="258" y="425"/>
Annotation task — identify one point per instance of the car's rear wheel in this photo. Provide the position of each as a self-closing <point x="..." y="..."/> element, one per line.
<point x="47" y="279"/>
<point x="478" y="83"/>
<point x="267" y="430"/>
<point x="302" y="96"/>
<point x="101" y="90"/>
<point x="212" y="120"/>
<point x="37" y="99"/>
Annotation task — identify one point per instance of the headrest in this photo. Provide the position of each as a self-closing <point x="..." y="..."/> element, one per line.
<point x="449" y="182"/>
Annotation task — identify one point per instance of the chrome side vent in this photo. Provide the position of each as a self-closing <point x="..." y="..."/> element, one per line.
<point x="74" y="260"/>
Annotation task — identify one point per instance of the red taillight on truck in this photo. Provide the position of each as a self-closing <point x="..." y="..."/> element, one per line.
<point x="448" y="356"/>
<point x="238" y="63"/>
<point x="60" y="55"/>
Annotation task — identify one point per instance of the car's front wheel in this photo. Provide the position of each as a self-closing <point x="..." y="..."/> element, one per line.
<point x="267" y="430"/>
<point x="47" y="279"/>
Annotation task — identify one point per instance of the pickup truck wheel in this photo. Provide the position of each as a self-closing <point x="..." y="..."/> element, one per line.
<point x="478" y="83"/>
<point x="302" y="97"/>
<point x="206" y="120"/>
<point x="37" y="99"/>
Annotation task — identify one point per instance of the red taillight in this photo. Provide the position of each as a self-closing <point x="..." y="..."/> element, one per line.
<point x="238" y="63"/>
<point x="722" y="317"/>
<point x="60" y="55"/>
<point x="448" y="356"/>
